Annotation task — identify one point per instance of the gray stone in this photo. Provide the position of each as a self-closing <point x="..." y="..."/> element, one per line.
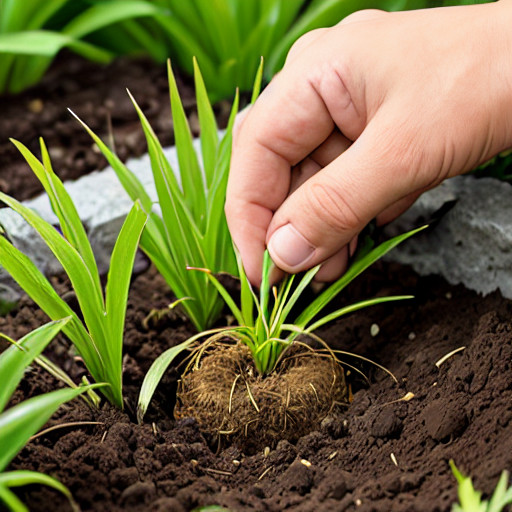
<point x="470" y="240"/>
<point x="470" y="243"/>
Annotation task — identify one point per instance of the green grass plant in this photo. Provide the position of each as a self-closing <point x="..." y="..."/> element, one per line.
<point x="470" y="500"/>
<point x="262" y="320"/>
<point x="229" y="36"/>
<point x="99" y="337"/>
<point x="187" y="227"/>
<point x="32" y="32"/>
<point x="20" y="422"/>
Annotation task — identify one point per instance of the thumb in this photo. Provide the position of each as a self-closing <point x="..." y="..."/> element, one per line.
<point x="327" y="211"/>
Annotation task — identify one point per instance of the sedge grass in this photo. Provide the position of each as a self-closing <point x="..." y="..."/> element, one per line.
<point x="99" y="337"/>
<point x="187" y="228"/>
<point x="228" y="36"/>
<point x="262" y="321"/>
<point x="19" y="423"/>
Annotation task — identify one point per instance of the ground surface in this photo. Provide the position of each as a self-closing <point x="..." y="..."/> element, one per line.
<point x="98" y="96"/>
<point x="379" y="454"/>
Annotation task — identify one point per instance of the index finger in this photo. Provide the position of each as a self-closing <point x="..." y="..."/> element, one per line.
<point x="287" y="122"/>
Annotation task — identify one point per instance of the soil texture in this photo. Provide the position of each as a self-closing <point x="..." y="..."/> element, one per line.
<point x="388" y="450"/>
<point x="97" y="94"/>
<point x="382" y="453"/>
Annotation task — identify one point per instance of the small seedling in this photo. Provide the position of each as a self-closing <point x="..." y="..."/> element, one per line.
<point x="99" y="337"/>
<point x="20" y="422"/>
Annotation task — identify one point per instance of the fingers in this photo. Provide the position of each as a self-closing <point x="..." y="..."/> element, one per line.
<point x="334" y="267"/>
<point x="328" y="151"/>
<point x="395" y="210"/>
<point x="288" y="122"/>
<point x="338" y="264"/>
<point x="321" y="217"/>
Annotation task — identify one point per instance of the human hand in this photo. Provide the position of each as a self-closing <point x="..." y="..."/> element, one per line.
<point x="362" y="119"/>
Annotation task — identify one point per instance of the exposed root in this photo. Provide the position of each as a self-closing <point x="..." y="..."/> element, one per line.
<point x="223" y="391"/>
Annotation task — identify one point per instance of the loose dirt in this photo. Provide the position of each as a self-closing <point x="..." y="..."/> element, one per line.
<point x="382" y="453"/>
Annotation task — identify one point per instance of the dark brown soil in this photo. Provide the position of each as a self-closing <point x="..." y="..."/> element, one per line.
<point x="97" y="94"/>
<point x="380" y="454"/>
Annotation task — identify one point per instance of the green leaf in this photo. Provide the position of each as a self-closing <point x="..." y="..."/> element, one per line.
<point x="91" y="302"/>
<point x="256" y="88"/>
<point x="24" y="477"/>
<point x="103" y="14"/>
<point x="12" y="501"/>
<point x="15" y="359"/>
<point x="208" y="126"/>
<point x="211" y="508"/>
<point x="359" y="265"/>
<point x="38" y="288"/>
<point x="190" y="172"/>
<point x="501" y="497"/>
<point x="155" y="374"/>
<point x="130" y="182"/>
<point x="118" y="284"/>
<point x="354" y="307"/>
<point x="223" y="293"/>
<point x="29" y="54"/>
<point x="20" y="422"/>
<point x="47" y="44"/>
<point x="63" y="207"/>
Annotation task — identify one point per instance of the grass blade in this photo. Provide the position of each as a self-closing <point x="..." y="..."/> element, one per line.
<point x="359" y="265"/>
<point x="352" y="308"/>
<point x="118" y="283"/>
<point x="91" y="302"/>
<point x="190" y="172"/>
<point x="208" y="126"/>
<point x="257" y="82"/>
<point x="12" y="501"/>
<point x="223" y="293"/>
<point x="130" y="182"/>
<point x="20" y="422"/>
<point x="103" y="14"/>
<point x="38" y="288"/>
<point x="158" y="368"/>
<point x="24" y="477"/>
<point x="15" y="359"/>
<point x="62" y="206"/>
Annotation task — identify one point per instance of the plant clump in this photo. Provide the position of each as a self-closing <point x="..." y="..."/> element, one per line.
<point x="270" y="385"/>
<point x="223" y="390"/>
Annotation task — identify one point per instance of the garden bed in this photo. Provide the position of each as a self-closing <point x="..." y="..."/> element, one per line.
<point x="379" y="453"/>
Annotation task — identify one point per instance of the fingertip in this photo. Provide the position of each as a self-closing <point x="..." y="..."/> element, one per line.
<point x="289" y="250"/>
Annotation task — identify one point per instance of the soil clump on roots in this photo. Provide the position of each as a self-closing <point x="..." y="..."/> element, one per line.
<point x="231" y="401"/>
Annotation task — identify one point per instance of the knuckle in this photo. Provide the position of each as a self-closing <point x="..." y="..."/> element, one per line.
<point x="304" y="42"/>
<point x="334" y="208"/>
